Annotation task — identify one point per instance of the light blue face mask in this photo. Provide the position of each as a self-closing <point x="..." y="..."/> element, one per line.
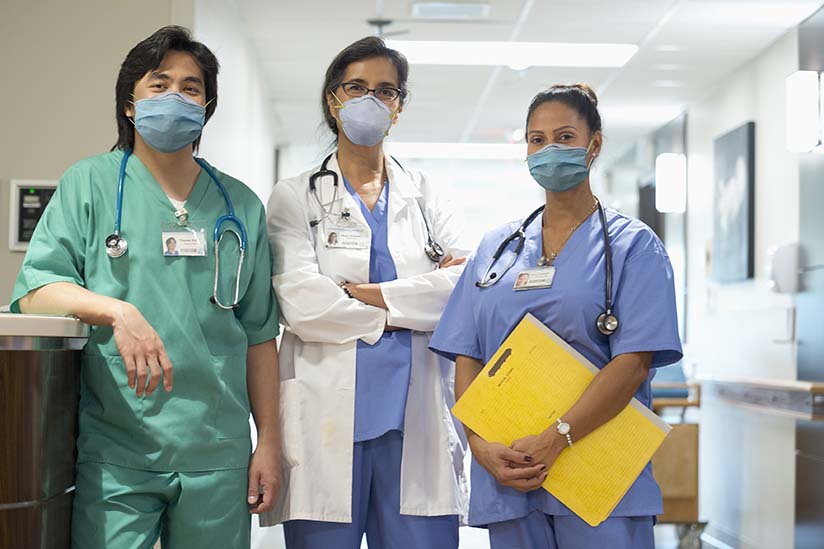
<point x="366" y="120"/>
<point x="168" y="122"/>
<point x="559" y="168"/>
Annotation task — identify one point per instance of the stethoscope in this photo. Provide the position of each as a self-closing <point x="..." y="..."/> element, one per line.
<point x="432" y="249"/>
<point x="117" y="246"/>
<point x="607" y="323"/>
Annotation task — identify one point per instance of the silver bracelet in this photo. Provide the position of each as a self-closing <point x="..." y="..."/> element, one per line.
<point x="345" y="289"/>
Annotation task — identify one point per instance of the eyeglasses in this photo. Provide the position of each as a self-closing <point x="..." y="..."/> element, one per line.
<point x="355" y="89"/>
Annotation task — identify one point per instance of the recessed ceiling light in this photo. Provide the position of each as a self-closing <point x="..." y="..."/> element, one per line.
<point x="450" y="10"/>
<point x="517" y="135"/>
<point x="668" y="47"/>
<point x="518" y="54"/>
<point x="639" y="115"/>
<point x="669" y="67"/>
<point x="668" y="84"/>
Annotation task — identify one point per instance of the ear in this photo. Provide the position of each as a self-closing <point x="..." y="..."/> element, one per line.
<point x="333" y="105"/>
<point x="397" y="114"/>
<point x="597" y="143"/>
<point x="128" y="110"/>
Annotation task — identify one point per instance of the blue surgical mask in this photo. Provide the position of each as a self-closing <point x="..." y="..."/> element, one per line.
<point x="559" y="168"/>
<point x="170" y="121"/>
<point x="366" y="120"/>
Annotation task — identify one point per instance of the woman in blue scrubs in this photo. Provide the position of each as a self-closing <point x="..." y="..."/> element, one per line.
<point x="565" y="260"/>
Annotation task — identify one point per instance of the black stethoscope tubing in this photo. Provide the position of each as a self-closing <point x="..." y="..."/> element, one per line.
<point x="432" y="249"/>
<point x="607" y="322"/>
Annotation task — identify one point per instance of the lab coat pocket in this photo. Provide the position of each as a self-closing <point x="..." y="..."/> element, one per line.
<point x="290" y="421"/>
<point x="232" y="410"/>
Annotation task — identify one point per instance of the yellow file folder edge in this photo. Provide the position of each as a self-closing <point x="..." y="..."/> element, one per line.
<point x="591" y="477"/>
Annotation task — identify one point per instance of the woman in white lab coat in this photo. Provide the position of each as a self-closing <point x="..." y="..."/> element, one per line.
<point x="366" y="254"/>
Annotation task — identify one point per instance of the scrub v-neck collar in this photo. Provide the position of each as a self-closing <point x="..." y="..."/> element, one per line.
<point x="377" y="215"/>
<point x="535" y="238"/>
<point x="144" y="176"/>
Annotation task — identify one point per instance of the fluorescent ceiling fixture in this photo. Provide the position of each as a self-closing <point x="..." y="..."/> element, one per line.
<point x="516" y="54"/>
<point x="422" y="9"/>
<point x="803" y="111"/>
<point x="668" y="84"/>
<point x="640" y="115"/>
<point x="671" y="183"/>
<point x="458" y="151"/>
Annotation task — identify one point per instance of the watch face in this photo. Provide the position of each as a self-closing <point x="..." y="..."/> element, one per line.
<point x="563" y="428"/>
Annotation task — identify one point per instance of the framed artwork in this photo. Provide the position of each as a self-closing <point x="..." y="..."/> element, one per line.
<point x="733" y="209"/>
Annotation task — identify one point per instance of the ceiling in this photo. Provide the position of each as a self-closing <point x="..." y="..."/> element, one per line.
<point x="686" y="48"/>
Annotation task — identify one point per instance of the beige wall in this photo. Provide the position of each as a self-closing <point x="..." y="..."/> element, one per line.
<point x="59" y="62"/>
<point x="747" y="459"/>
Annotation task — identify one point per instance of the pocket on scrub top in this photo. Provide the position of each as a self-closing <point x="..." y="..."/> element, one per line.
<point x="232" y="410"/>
<point x="291" y="422"/>
<point x="106" y="396"/>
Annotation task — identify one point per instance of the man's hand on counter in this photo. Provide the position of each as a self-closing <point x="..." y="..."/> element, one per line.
<point x="143" y="353"/>
<point x="138" y="343"/>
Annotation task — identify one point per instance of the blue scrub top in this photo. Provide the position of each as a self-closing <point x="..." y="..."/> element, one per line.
<point x="477" y="320"/>
<point x="382" y="369"/>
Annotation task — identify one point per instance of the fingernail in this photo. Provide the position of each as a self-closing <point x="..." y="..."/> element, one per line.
<point x="528" y="459"/>
<point x="252" y="499"/>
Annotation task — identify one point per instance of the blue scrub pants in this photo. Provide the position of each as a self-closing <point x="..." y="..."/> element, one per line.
<point x="376" y="496"/>
<point x="121" y="508"/>
<point x="540" y="531"/>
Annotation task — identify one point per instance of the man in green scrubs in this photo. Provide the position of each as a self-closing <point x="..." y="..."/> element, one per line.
<point x="173" y="463"/>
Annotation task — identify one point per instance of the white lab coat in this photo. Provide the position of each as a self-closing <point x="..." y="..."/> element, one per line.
<point x="323" y="325"/>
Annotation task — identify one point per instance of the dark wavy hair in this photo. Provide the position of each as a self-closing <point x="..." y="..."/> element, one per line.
<point x="147" y="56"/>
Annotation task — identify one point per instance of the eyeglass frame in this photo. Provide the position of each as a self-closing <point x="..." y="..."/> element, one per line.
<point x="401" y="94"/>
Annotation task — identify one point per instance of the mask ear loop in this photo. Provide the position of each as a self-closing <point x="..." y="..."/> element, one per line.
<point x="340" y="106"/>
<point x="131" y="118"/>
<point x="594" y="156"/>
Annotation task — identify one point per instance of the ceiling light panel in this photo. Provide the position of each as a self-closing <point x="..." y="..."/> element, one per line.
<point x="516" y="54"/>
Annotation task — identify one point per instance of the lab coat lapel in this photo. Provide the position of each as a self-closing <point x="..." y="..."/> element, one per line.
<point x="402" y="191"/>
<point x="344" y="200"/>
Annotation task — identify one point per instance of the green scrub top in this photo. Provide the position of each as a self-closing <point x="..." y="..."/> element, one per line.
<point x="203" y="424"/>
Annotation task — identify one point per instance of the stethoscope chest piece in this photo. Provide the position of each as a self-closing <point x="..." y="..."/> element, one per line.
<point x="607" y="323"/>
<point x="433" y="251"/>
<point x="116" y="246"/>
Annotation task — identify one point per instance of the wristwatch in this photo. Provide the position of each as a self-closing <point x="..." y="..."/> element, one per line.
<point x="563" y="430"/>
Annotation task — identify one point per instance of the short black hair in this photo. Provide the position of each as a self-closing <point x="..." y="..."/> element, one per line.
<point x="579" y="97"/>
<point x="171" y="240"/>
<point x="147" y="56"/>
<point x="365" y="48"/>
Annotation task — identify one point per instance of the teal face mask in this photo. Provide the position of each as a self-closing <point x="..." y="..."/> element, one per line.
<point x="168" y="122"/>
<point x="559" y="168"/>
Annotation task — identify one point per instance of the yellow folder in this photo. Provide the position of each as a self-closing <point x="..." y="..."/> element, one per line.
<point x="533" y="379"/>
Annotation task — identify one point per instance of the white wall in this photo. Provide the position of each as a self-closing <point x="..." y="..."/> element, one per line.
<point x="747" y="459"/>
<point x="59" y="62"/>
<point x="240" y="137"/>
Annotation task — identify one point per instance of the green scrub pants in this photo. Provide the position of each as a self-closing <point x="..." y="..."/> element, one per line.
<point x="120" y="508"/>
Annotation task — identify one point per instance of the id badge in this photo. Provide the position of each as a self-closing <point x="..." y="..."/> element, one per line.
<point x="187" y="241"/>
<point x="348" y="237"/>
<point x="532" y="279"/>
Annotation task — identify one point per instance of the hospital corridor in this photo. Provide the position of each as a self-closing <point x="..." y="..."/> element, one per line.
<point x="412" y="274"/>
